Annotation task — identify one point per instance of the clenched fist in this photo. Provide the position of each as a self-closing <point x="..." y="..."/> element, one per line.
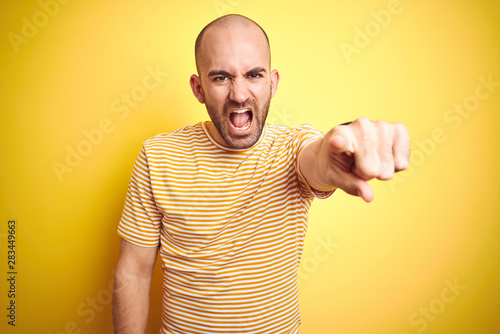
<point x="350" y="155"/>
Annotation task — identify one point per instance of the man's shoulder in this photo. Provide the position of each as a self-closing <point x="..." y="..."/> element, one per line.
<point x="281" y="127"/>
<point x="277" y="130"/>
<point x="181" y="135"/>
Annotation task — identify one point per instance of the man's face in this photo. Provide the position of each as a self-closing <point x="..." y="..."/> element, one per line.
<point x="235" y="83"/>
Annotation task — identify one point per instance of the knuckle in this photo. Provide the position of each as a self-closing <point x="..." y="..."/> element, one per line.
<point x="368" y="128"/>
<point x="401" y="129"/>
<point x="370" y="175"/>
<point x="363" y="122"/>
<point x="382" y="124"/>
<point x="369" y="171"/>
<point x="400" y="126"/>
<point x="368" y="131"/>
<point x="386" y="176"/>
<point x="385" y="131"/>
<point x="387" y="172"/>
<point x="401" y="165"/>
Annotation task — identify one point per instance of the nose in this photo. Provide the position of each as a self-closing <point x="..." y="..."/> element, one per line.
<point x="239" y="90"/>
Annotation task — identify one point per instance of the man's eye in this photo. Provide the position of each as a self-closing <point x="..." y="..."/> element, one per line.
<point x="220" y="79"/>
<point x="255" y="75"/>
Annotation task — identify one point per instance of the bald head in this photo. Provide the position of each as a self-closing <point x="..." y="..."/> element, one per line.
<point x="226" y="23"/>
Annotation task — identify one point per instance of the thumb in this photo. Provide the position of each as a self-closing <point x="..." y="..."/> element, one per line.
<point x="365" y="191"/>
<point x="356" y="186"/>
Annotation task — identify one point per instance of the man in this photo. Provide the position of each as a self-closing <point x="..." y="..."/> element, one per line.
<point x="225" y="202"/>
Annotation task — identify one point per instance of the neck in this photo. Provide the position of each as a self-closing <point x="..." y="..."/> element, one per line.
<point x="215" y="134"/>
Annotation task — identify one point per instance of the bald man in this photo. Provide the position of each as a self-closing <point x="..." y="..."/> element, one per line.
<point x="225" y="201"/>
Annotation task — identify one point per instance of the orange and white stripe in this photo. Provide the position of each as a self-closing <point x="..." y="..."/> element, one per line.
<point x="231" y="224"/>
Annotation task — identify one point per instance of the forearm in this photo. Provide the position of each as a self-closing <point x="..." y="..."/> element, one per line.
<point x="130" y="303"/>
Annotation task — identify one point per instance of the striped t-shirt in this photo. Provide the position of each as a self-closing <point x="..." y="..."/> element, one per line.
<point x="231" y="225"/>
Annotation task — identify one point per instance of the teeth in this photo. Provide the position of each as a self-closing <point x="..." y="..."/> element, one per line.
<point x="241" y="111"/>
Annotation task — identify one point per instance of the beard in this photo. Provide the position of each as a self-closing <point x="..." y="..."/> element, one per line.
<point x="220" y="119"/>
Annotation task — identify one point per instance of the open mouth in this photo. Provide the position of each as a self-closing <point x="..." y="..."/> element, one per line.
<point x="241" y="120"/>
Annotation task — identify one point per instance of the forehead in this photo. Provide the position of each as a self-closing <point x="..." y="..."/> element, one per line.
<point x="236" y="47"/>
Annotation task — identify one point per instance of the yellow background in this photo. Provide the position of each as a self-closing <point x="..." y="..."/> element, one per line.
<point x="434" y="225"/>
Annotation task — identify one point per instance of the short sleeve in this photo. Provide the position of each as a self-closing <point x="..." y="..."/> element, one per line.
<point x="303" y="136"/>
<point x="140" y="222"/>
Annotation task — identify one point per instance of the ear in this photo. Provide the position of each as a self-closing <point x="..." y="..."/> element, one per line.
<point x="195" y="82"/>
<point x="275" y="78"/>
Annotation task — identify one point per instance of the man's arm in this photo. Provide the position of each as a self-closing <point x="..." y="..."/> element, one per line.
<point x="133" y="276"/>
<point x="353" y="153"/>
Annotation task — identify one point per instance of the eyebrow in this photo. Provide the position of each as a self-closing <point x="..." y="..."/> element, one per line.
<point x="256" y="70"/>
<point x="227" y="74"/>
<point x="218" y="72"/>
